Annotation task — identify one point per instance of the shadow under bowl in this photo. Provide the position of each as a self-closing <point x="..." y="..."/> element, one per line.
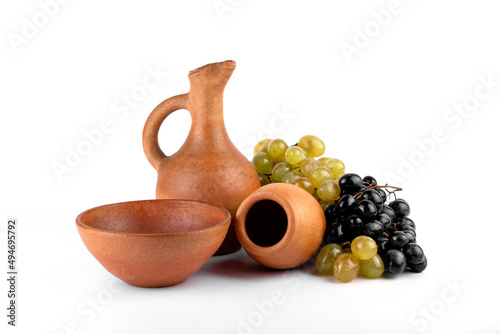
<point x="153" y="243"/>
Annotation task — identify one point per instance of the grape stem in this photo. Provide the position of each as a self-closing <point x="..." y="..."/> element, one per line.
<point x="345" y="244"/>
<point x="375" y="186"/>
<point x="268" y="177"/>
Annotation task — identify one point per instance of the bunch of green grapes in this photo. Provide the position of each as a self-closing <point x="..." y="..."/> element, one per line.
<point x="345" y="264"/>
<point x="275" y="161"/>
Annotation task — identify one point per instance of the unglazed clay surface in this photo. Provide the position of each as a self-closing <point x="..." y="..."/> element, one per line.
<point x="280" y="225"/>
<point x="153" y="243"/>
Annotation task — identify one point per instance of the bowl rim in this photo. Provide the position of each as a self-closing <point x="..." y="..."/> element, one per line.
<point x="225" y="221"/>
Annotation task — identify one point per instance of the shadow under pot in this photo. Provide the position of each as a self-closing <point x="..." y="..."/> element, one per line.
<point x="280" y="225"/>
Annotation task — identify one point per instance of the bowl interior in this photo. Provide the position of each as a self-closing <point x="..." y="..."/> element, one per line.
<point x="155" y="217"/>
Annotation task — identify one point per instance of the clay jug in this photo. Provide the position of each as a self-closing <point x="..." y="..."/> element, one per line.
<point x="208" y="167"/>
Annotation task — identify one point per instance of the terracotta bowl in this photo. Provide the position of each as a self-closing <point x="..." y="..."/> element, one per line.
<point x="153" y="243"/>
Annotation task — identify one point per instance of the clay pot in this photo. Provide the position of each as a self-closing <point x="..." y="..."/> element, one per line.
<point x="207" y="167"/>
<point x="153" y="243"/>
<point x="280" y="225"/>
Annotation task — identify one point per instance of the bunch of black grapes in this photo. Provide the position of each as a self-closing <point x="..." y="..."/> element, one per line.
<point x="364" y="209"/>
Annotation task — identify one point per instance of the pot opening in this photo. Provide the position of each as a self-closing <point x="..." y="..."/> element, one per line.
<point x="266" y="223"/>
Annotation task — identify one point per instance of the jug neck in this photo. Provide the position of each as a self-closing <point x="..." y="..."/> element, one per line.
<point x="205" y="99"/>
<point x="207" y="85"/>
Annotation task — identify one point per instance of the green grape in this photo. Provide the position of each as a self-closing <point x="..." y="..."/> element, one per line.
<point x="320" y="174"/>
<point x="294" y="155"/>
<point x="276" y="149"/>
<point x="307" y="166"/>
<point x="261" y="146"/>
<point x="325" y="204"/>
<point x="264" y="179"/>
<point x="280" y="170"/>
<point x="263" y="163"/>
<point x="312" y="145"/>
<point x="290" y="177"/>
<point x="372" y="268"/>
<point x="347" y="250"/>
<point x="346" y="267"/>
<point x="321" y="161"/>
<point x="336" y="166"/>
<point x="364" y="247"/>
<point x="326" y="257"/>
<point x="329" y="190"/>
<point x="304" y="183"/>
<point x="336" y="178"/>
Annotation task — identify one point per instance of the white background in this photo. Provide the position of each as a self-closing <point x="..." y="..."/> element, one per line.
<point x="370" y="108"/>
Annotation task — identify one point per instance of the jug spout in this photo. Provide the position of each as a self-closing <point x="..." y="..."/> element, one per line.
<point x="207" y="84"/>
<point x="212" y="75"/>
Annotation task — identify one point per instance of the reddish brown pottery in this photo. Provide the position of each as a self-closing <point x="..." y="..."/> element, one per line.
<point x="153" y="243"/>
<point x="280" y="225"/>
<point x="207" y="167"/>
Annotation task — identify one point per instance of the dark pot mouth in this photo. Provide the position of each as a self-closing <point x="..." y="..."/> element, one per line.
<point x="265" y="223"/>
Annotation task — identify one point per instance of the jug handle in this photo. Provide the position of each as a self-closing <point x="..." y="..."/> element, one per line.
<point x="150" y="133"/>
